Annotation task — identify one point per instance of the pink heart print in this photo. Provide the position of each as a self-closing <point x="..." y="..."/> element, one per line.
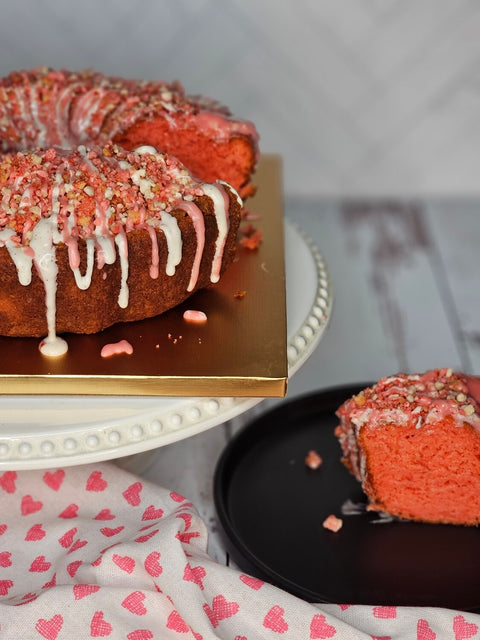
<point x="385" y="612"/>
<point x="50" y="629"/>
<point x="7" y="481"/>
<point x="194" y="574"/>
<point x="134" y="603"/>
<point x="177" y="623"/>
<point x="3" y="528"/>
<point x="54" y="480"/>
<point x="29" y="597"/>
<point x="105" y="514"/>
<point x="424" y="632"/>
<point x="83" y="590"/>
<point x="151" y="513"/>
<point x="140" y="634"/>
<point x="67" y="539"/>
<point x="51" y="583"/>
<point x="40" y="564"/>
<point x="463" y="629"/>
<point x="109" y="531"/>
<point x="125" y="563"/>
<point x="78" y="544"/>
<point x="152" y="564"/>
<point x="36" y="532"/>
<point x="220" y="610"/>
<point x="176" y="497"/>
<point x="187" y="518"/>
<point x="147" y="536"/>
<point x="99" y="627"/>
<point x="187" y="536"/>
<point x="132" y="494"/>
<point x="69" y="512"/>
<point x="96" y="482"/>
<point x="320" y="629"/>
<point x="73" y="567"/>
<point x="250" y="581"/>
<point x="5" y="586"/>
<point x="275" y="621"/>
<point x="29" y="505"/>
<point x="5" y="560"/>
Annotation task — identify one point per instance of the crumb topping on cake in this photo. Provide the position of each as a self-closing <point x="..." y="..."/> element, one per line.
<point x="45" y="107"/>
<point x="414" y="400"/>
<point x="88" y="188"/>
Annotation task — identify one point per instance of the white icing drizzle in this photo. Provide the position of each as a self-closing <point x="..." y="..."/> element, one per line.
<point x="106" y="253"/>
<point x="168" y="224"/>
<point x="53" y="346"/>
<point x="62" y="111"/>
<point x="83" y="151"/>
<point x="83" y="282"/>
<point x="218" y="196"/>
<point x="21" y="256"/>
<point x="19" y="95"/>
<point x="146" y="149"/>
<point x="41" y="129"/>
<point x="86" y="107"/>
<point x="121" y="242"/>
<point x="234" y="191"/>
<point x="44" y="238"/>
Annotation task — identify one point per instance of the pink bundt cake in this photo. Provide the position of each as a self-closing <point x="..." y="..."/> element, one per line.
<point x="119" y="199"/>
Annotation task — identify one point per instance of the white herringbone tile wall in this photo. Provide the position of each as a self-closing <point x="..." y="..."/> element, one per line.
<point x="359" y="96"/>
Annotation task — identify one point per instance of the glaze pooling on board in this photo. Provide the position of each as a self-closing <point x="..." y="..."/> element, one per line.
<point x="98" y="195"/>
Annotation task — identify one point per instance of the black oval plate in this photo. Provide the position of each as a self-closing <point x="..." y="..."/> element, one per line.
<point x="271" y="507"/>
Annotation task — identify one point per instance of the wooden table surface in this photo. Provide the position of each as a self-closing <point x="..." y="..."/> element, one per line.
<point x="406" y="278"/>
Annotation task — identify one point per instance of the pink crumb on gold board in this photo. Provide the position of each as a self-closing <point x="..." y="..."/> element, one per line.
<point x="116" y="348"/>
<point x="197" y="317"/>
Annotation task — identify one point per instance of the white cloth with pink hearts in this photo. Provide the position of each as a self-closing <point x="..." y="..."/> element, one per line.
<point x="95" y="552"/>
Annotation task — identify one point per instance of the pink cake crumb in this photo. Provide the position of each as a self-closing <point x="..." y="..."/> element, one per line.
<point x="194" y="316"/>
<point x="116" y="348"/>
<point x="332" y="523"/>
<point x="313" y="460"/>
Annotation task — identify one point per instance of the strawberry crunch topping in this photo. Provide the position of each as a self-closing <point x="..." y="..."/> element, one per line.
<point x="414" y="400"/>
<point x="332" y="523"/>
<point x="411" y="401"/>
<point x="45" y="107"/>
<point x="89" y="188"/>
<point x="313" y="460"/>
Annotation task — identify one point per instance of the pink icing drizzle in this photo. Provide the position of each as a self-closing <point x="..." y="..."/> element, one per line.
<point x="199" y="225"/>
<point x="155" y="257"/>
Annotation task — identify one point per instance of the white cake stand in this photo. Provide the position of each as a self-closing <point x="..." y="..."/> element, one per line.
<point x="44" y="431"/>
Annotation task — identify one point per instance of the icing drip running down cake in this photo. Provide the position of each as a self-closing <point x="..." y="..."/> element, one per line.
<point x="118" y="199"/>
<point x="413" y="441"/>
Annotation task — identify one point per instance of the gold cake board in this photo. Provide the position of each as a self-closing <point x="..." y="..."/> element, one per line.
<point x="240" y="350"/>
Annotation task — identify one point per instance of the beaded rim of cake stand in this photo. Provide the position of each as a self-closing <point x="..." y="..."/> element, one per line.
<point x="118" y="438"/>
